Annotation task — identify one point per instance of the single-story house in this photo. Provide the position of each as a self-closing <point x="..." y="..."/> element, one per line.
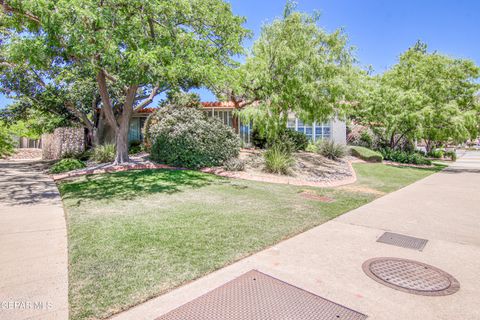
<point x="334" y="129"/>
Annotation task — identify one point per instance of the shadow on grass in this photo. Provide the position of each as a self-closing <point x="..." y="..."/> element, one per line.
<point x="131" y="184"/>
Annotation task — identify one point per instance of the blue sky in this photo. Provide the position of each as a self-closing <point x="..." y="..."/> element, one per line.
<point x="380" y="29"/>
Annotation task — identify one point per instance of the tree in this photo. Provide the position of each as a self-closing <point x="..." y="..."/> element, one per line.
<point x="294" y="66"/>
<point x="426" y="96"/>
<point x="133" y="50"/>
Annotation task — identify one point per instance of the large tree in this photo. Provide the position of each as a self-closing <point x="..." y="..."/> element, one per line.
<point x="295" y="66"/>
<point x="426" y="96"/>
<point x="132" y="49"/>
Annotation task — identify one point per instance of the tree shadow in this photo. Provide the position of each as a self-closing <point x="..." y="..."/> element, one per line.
<point x="129" y="185"/>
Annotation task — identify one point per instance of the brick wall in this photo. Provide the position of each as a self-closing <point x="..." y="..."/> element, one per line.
<point x="63" y="141"/>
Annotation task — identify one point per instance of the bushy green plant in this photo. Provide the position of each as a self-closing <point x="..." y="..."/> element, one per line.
<point x="186" y="137"/>
<point x="312" y="147"/>
<point x="67" y="164"/>
<point x="234" y="164"/>
<point x="278" y="159"/>
<point x="437" y="154"/>
<point x="297" y="140"/>
<point x="331" y="150"/>
<point x="104" y="153"/>
<point x="135" y="147"/>
<point x="366" y="154"/>
<point x="7" y="146"/>
<point x="405" y="157"/>
<point x="451" y="154"/>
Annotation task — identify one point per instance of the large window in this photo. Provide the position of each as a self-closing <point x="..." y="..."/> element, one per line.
<point x="314" y="132"/>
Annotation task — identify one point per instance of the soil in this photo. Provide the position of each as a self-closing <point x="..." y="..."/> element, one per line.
<point x="308" y="166"/>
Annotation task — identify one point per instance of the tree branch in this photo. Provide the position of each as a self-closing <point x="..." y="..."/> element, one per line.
<point x="79" y="114"/>
<point x="8" y="9"/>
<point x="149" y="100"/>
<point x="107" y="104"/>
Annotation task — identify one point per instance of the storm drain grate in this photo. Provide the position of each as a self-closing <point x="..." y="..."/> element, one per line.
<point x="401" y="240"/>
<point x="257" y="296"/>
<point x="411" y="276"/>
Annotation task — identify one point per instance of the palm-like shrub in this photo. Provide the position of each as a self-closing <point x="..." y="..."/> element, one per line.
<point x="278" y="160"/>
<point x="104" y="153"/>
<point x="331" y="150"/>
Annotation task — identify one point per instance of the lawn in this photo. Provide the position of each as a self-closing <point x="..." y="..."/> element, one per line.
<point x="135" y="235"/>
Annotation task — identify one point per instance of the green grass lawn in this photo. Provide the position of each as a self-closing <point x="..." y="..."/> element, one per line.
<point x="135" y="235"/>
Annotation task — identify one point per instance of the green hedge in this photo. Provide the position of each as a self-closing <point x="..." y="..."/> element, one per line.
<point x="366" y="154"/>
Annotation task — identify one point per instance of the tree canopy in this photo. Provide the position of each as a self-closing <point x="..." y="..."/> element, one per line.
<point x="131" y="50"/>
<point x="295" y="66"/>
<point x="426" y="96"/>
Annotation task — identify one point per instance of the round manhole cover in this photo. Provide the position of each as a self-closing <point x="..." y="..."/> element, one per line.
<point x="411" y="276"/>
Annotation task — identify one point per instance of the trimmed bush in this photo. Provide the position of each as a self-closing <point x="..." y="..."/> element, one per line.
<point x="331" y="150"/>
<point x="278" y="159"/>
<point x="186" y="137"/>
<point x="68" y="164"/>
<point x="366" y="154"/>
<point x="405" y="157"/>
<point x="104" y="153"/>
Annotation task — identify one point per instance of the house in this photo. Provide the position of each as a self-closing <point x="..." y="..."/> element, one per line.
<point x="334" y="129"/>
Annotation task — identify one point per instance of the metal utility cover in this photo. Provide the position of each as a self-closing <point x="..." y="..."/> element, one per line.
<point x="404" y="241"/>
<point x="411" y="276"/>
<point x="257" y="296"/>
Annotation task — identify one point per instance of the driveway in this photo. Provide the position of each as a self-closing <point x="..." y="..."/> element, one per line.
<point x="327" y="260"/>
<point x="33" y="244"/>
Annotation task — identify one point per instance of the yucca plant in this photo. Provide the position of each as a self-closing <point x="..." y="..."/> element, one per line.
<point x="331" y="150"/>
<point x="104" y="153"/>
<point x="278" y="160"/>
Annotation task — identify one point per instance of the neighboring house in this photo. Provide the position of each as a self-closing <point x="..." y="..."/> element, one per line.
<point x="334" y="129"/>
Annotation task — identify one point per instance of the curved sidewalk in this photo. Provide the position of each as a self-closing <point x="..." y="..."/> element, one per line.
<point x="327" y="260"/>
<point x="33" y="244"/>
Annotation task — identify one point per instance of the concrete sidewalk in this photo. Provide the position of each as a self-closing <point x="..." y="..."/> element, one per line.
<point x="33" y="244"/>
<point x="327" y="260"/>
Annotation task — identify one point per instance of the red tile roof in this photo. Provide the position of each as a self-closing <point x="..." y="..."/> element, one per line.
<point x="208" y="105"/>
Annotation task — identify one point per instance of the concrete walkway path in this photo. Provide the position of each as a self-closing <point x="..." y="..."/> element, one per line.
<point x="443" y="208"/>
<point x="33" y="244"/>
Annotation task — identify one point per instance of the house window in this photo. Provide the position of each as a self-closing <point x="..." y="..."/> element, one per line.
<point x="314" y="132"/>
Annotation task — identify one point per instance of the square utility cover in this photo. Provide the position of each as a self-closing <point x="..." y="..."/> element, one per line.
<point x="403" y="241"/>
<point x="257" y="296"/>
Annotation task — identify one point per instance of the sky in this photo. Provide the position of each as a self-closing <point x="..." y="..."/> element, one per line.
<point x="380" y="30"/>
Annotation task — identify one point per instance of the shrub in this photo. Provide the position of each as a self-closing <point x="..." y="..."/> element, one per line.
<point x="405" y="157"/>
<point x="135" y="147"/>
<point x="366" y="154"/>
<point x="104" y="153"/>
<point x="6" y="143"/>
<point x="366" y="139"/>
<point x="67" y="164"/>
<point x="278" y="159"/>
<point x="258" y="141"/>
<point x="437" y="154"/>
<point x="312" y="147"/>
<point x="451" y="154"/>
<point x="234" y="164"/>
<point x="186" y="137"/>
<point x="297" y="140"/>
<point x="331" y="150"/>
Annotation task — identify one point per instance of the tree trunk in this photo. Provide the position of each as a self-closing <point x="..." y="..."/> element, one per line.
<point x="121" y="142"/>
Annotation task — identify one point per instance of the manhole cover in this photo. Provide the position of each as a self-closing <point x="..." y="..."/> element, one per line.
<point x="411" y="276"/>
<point x="257" y="296"/>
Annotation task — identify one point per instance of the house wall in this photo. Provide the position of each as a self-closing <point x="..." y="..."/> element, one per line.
<point x="339" y="131"/>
